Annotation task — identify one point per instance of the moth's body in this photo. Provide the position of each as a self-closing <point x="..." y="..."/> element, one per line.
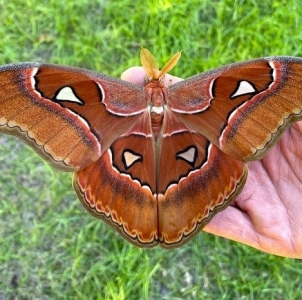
<point x="156" y="97"/>
<point x="156" y="163"/>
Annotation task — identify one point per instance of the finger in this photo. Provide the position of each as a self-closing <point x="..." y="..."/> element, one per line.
<point x="137" y="75"/>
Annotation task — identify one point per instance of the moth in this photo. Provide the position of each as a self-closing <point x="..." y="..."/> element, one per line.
<point x="156" y="162"/>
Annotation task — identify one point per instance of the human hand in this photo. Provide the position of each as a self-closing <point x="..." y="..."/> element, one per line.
<point x="267" y="214"/>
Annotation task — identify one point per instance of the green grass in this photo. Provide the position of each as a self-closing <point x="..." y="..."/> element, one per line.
<point x="50" y="248"/>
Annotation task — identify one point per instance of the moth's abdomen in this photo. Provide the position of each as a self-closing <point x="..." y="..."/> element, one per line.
<point x="156" y="123"/>
<point x="156" y="96"/>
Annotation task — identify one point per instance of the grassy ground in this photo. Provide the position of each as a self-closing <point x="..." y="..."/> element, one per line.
<point x="50" y="248"/>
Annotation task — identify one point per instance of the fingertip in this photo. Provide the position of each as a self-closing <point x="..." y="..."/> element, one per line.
<point x="135" y="75"/>
<point x="169" y="80"/>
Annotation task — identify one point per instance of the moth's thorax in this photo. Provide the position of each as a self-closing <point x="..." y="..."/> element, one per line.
<point x="156" y="95"/>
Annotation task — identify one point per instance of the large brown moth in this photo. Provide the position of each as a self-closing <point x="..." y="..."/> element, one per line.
<point x="154" y="162"/>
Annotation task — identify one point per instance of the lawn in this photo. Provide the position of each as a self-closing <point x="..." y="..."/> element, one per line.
<point x="50" y="247"/>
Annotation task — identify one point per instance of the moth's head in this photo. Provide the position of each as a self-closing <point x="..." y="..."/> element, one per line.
<point x="151" y="67"/>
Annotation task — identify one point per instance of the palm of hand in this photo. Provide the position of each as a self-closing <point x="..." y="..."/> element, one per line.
<point x="267" y="214"/>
